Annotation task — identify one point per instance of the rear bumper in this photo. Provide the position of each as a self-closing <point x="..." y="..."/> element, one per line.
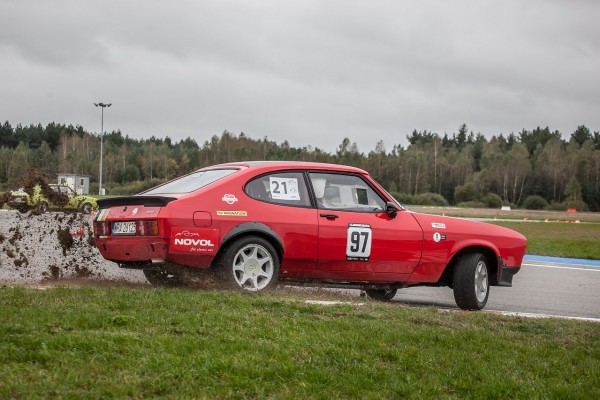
<point x="132" y="250"/>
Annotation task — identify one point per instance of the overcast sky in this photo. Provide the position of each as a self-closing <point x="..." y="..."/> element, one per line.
<point x="310" y="72"/>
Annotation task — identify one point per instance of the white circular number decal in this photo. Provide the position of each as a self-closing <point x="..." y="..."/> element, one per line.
<point x="358" y="243"/>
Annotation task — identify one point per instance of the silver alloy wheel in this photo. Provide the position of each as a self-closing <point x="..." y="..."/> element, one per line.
<point x="253" y="267"/>
<point x="481" y="281"/>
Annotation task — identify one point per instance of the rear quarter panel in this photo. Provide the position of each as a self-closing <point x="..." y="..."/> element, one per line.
<point x="224" y="205"/>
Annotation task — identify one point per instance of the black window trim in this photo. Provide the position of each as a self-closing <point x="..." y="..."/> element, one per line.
<point x="360" y="176"/>
<point x="307" y="185"/>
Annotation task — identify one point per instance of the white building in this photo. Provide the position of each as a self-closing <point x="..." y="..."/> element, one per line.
<point x="79" y="183"/>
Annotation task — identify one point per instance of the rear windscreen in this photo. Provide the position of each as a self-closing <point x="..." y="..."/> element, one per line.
<point x="191" y="182"/>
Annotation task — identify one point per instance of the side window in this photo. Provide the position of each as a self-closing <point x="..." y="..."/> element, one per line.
<point x="280" y="188"/>
<point x="345" y="192"/>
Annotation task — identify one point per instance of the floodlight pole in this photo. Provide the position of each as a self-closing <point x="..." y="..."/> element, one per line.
<point x="102" y="105"/>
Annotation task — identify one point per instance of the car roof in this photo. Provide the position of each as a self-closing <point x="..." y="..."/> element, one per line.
<point x="276" y="165"/>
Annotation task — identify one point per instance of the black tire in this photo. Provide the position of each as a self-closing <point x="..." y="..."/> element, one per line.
<point x="86" y="208"/>
<point x="22" y="209"/>
<point x="471" y="282"/>
<point x="41" y="207"/>
<point x="162" y="278"/>
<point x="381" y="294"/>
<point x="250" y="263"/>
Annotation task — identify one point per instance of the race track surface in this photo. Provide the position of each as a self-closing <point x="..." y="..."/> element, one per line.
<point x="545" y="285"/>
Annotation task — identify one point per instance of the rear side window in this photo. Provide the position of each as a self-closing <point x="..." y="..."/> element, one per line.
<point x="190" y="182"/>
<point x="286" y="188"/>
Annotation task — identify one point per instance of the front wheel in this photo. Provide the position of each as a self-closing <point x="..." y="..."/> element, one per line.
<point x="41" y="207"/>
<point x="250" y="263"/>
<point x="86" y="208"/>
<point x="381" y="294"/>
<point x="471" y="282"/>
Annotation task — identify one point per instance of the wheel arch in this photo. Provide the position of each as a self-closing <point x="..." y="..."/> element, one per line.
<point x="252" y="229"/>
<point x="489" y="254"/>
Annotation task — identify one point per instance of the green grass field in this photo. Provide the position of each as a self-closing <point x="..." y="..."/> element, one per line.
<point x="148" y="343"/>
<point x="559" y="239"/>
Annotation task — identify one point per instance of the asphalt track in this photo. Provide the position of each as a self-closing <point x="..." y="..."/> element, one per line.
<point x="545" y="286"/>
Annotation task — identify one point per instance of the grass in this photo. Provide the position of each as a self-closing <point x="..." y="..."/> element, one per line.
<point x="538" y="215"/>
<point x="141" y="343"/>
<point x="559" y="240"/>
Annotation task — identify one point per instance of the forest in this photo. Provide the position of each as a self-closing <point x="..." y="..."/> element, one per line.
<point x="534" y="169"/>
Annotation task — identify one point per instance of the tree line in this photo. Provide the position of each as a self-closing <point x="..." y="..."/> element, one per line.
<point x="533" y="168"/>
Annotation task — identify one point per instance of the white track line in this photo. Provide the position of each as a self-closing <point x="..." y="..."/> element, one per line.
<point x="531" y="315"/>
<point x="591" y="268"/>
<point x="525" y="315"/>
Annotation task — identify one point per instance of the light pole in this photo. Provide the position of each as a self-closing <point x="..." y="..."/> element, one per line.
<point x="101" y="140"/>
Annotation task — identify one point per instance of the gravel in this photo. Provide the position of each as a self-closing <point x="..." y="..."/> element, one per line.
<point x="54" y="246"/>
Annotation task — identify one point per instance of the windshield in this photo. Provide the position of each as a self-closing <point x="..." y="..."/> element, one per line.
<point x="191" y="182"/>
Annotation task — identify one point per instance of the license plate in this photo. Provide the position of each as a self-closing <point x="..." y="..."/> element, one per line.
<point x="123" y="228"/>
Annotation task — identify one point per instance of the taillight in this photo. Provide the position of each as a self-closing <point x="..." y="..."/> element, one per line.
<point x="147" y="228"/>
<point x="142" y="228"/>
<point x="101" y="228"/>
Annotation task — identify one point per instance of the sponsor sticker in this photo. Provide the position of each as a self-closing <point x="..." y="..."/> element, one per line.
<point x="438" y="225"/>
<point x="194" y="241"/>
<point x="227" y="213"/>
<point x="438" y="236"/>
<point x="229" y="198"/>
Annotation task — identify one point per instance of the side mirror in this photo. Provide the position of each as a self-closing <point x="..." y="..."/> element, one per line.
<point x="391" y="209"/>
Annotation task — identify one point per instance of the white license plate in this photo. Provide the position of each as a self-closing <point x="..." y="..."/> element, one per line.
<point x="123" y="228"/>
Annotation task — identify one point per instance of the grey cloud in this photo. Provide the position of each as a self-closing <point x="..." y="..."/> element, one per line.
<point x="311" y="72"/>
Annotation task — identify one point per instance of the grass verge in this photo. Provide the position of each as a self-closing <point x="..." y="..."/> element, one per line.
<point x="559" y="240"/>
<point x="140" y="343"/>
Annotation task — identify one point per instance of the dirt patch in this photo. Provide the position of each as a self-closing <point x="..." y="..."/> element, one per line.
<point x="35" y="177"/>
<point x="65" y="240"/>
<point x="55" y="245"/>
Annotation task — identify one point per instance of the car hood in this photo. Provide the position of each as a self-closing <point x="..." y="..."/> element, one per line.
<point x="437" y="222"/>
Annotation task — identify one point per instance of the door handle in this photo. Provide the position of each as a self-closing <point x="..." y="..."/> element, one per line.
<point x="329" y="216"/>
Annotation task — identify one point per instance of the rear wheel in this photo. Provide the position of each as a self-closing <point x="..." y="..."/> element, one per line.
<point x="250" y="263"/>
<point x="471" y="282"/>
<point x="381" y="294"/>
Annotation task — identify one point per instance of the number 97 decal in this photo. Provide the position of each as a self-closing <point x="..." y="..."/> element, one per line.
<point x="358" y="242"/>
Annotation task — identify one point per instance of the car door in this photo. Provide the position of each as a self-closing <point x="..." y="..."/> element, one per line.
<point x="355" y="232"/>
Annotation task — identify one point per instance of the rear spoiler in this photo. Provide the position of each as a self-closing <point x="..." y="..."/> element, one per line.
<point x="148" y="201"/>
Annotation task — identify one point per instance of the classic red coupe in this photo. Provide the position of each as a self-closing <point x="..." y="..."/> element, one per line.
<point x="250" y="225"/>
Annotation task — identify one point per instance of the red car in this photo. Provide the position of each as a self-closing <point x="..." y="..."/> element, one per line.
<point x="253" y="224"/>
